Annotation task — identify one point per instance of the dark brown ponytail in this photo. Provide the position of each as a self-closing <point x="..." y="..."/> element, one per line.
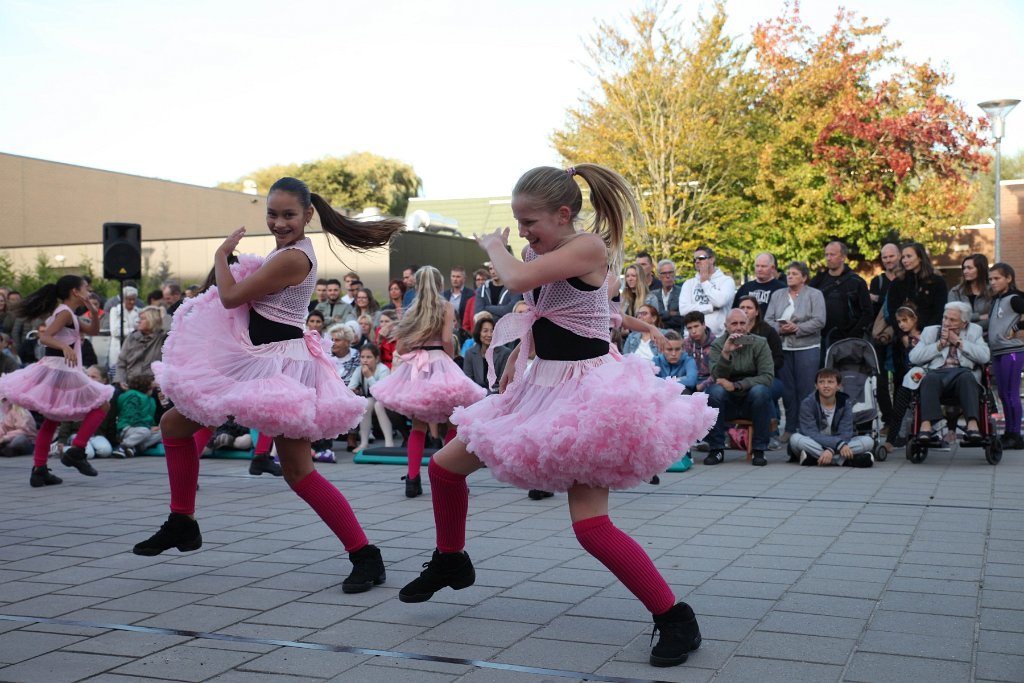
<point x="356" y="235"/>
<point x="41" y="302"/>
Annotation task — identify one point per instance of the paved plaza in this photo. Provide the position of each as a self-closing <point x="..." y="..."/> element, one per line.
<point x="898" y="573"/>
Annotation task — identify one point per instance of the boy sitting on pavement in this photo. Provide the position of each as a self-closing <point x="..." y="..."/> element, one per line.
<point x="826" y="435"/>
<point x="675" y="364"/>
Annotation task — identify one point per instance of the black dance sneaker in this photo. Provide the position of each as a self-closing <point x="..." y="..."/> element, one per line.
<point x="41" y="476"/>
<point x="443" y="570"/>
<point x="179" y="531"/>
<point x="758" y="459"/>
<point x="367" y="570"/>
<point x="75" y="457"/>
<point x="413" y="486"/>
<point x="538" y="494"/>
<point x="679" y="635"/>
<point x="262" y="462"/>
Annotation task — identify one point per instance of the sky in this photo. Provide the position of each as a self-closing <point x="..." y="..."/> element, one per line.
<point x="467" y="91"/>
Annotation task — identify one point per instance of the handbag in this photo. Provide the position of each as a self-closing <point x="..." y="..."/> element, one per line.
<point x="881" y="331"/>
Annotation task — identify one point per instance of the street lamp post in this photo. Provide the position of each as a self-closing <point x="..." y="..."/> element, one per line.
<point x="997" y="111"/>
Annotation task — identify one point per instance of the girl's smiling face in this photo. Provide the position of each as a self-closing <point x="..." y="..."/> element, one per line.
<point x="286" y="217"/>
<point x="544" y="230"/>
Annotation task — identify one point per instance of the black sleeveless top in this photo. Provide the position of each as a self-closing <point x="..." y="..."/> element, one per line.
<point x="264" y="331"/>
<point x="552" y="342"/>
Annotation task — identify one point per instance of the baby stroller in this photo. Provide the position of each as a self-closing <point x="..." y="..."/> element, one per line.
<point x="856" y="361"/>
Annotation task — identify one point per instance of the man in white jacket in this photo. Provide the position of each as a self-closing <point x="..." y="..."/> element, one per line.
<point x="710" y="291"/>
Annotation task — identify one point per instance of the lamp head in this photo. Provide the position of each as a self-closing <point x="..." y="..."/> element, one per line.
<point x="997" y="111"/>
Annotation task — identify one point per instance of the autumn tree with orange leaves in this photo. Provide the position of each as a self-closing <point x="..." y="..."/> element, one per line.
<point x="780" y="144"/>
<point x="859" y="141"/>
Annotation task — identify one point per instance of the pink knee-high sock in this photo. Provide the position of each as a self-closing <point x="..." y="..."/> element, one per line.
<point x="450" y="497"/>
<point x="627" y="560"/>
<point x="327" y="501"/>
<point x="43" y="438"/>
<point x="417" y="440"/>
<point x="202" y="437"/>
<point x="450" y="434"/>
<point x="182" y="473"/>
<point x="89" y="426"/>
<point x="263" y="443"/>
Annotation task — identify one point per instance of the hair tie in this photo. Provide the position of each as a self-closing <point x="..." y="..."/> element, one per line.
<point x="571" y="171"/>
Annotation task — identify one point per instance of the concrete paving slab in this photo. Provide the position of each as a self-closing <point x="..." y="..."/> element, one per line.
<point x="900" y="572"/>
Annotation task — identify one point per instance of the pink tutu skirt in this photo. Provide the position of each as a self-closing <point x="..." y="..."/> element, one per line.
<point x="211" y="370"/>
<point x="607" y="422"/>
<point x="54" y="389"/>
<point x="428" y="386"/>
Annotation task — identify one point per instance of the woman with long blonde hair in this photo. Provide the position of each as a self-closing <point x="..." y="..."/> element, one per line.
<point x="427" y="386"/>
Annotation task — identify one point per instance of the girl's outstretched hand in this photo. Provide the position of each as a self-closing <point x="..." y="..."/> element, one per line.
<point x="498" y="238"/>
<point x="229" y="245"/>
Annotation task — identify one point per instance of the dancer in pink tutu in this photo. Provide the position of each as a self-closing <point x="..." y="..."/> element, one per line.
<point x="427" y="385"/>
<point x="563" y="425"/>
<point x="239" y="350"/>
<point x="56" y="386"/>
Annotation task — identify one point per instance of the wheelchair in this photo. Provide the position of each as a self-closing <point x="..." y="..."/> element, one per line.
<point x="917" y="451"/>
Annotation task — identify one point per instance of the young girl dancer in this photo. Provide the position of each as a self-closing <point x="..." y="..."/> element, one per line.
<point x="1006" y="339"/>
<point x="427" y="385"/>
<point x="264" y="371"/>
<point x="57" y="386"/>
<point x="562" y="426"/>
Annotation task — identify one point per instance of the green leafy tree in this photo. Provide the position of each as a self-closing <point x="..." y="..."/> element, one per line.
<point x="673" y="114"/>
<point x="352" y="182"/>
<point x="983" y="203"/>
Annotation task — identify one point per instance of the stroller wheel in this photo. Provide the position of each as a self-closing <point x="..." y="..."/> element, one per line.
<point x="881" y="454"/>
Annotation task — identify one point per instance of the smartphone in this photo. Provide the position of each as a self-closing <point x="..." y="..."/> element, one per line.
<point x="744" y="339"/>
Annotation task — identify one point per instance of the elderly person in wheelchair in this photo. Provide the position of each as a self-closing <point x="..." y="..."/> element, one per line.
<point x="953" y="354"/>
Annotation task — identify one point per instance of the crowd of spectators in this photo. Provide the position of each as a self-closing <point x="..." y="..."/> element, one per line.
<point x="747" y="347"/>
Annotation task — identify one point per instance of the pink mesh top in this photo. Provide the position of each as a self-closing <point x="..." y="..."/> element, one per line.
<point x="582" y="312"/>
<point x="289" y="305"/>
<point x="69" y="335"/>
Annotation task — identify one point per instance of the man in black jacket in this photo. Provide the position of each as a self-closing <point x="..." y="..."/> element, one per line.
<point x="848" y="310"/>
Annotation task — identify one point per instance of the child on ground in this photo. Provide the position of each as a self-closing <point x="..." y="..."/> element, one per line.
<point x="57" y="386"/>
<point x="136" y="416"/>
<point x="675" y="364"/>
<point x="562" y="424"/>
<point x="17" y="430"/>
<point x="427" y="385"/>
<point x="370" y="372"/>
<point x="826" y="435"/>
<point x="100" y="444"/>
<point x="240" y="349"/>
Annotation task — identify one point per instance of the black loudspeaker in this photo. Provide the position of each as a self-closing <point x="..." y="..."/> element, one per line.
<point x="122" y="251"/>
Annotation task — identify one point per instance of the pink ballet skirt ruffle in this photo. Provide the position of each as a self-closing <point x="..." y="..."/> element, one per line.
<point x="211" y="370"/>
<point x="54" y="389"/>
<point x="428" y="386"/>
<point x="608" y="422"/>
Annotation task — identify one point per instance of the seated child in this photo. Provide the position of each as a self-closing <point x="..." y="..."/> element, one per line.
<point x="136" y="416"/>
<point x="826" y="435"/>
<point x="370" y="372"/>
<point x="100" y="444"/>
<point x="675" y="364"/>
